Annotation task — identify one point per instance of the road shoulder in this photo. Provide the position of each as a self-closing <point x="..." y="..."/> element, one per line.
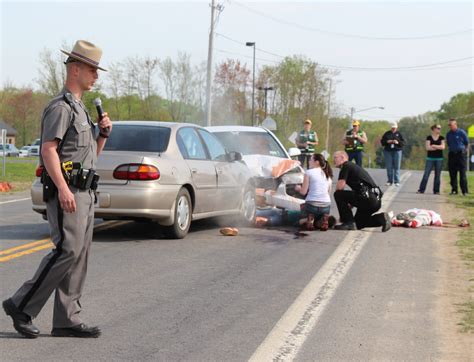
<point x="452" y="291"/>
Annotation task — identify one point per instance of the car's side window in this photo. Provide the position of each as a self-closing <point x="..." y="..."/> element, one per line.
<point x="190" y="144"/>
<point x="215" y="148"/>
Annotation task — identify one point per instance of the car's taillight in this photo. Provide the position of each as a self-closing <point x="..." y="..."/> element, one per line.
<point x="136" y="171"/>
<point x="39" y="170"/>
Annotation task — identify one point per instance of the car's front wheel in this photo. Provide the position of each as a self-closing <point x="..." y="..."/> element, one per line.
<point x="182" y="215"/>
<point x="248" y="208"/>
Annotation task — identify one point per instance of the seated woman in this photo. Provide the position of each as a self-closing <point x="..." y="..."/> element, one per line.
<point x="317" y="186"/>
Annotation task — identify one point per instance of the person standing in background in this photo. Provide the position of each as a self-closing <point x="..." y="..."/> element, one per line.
<point x="306" y="141"/>
<point x="354" y="141"/>
<point x="434" y="159"/>
<point x="458" y="144"/>
<point x="393" y="142"/>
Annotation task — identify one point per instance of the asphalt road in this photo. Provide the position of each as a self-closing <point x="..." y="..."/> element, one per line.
<point x="332" y="295"/>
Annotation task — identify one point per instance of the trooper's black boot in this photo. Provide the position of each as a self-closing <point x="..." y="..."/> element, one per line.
<point x="387" y="222"/>
<point x="21" y="321"/>
<point x="81" y="331"/>
<point x="345" y="226"/>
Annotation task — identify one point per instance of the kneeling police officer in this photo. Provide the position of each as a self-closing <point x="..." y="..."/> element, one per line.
<point x="70" y="143"/>
<point x="365" y="195"/>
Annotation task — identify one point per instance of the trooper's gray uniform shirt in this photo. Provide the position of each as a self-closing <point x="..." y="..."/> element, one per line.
<point x="64" y="269"/>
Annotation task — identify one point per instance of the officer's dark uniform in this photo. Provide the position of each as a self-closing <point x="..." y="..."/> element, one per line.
<point x="64" y="269"/>
<point x="365" y="195"/>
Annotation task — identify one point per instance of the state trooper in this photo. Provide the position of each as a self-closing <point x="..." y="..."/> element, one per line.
<point x="70" y="143"/>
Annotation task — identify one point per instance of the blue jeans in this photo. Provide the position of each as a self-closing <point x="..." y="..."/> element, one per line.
<point x="317" y="211"/>
<point x="393" y="160"/>
<point x="437" y="164"/>
<point x="357" y="156"/>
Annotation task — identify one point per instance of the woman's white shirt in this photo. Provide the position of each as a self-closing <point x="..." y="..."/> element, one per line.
<point x="319" y="186"/>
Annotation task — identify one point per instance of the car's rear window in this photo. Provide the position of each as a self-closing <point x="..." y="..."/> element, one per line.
<point x="250" y="143"/>
<point x="138" y="138"/>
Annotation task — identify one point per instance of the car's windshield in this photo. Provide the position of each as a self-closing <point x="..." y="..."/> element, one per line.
<point x="251" y="143"/>
<point x="138" y="138"/>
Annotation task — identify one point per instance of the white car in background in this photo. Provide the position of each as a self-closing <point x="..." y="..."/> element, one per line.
<point x="261" y="151"/>
<point x="34" y="148"/>
<point x="24" y="151"/>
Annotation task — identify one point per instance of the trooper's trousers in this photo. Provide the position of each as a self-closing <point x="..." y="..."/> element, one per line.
<point x="64" y="269"/>
<point x="346" y="199"/>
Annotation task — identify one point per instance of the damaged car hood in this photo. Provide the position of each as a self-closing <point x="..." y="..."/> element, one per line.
<point x="262" y="166"/>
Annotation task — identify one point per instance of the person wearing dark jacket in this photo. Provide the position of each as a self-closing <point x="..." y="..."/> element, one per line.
<point x="458" y="144"/>
<point x="393" y="142"/>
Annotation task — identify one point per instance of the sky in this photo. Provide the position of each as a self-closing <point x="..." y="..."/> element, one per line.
<point x="352" y="37"/>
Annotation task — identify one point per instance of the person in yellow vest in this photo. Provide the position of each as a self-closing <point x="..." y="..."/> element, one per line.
<point x="306" y="141"/>
<point x="354" y="141"/>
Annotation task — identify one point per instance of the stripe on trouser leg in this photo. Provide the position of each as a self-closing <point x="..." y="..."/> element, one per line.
<point x="47" y="268"/>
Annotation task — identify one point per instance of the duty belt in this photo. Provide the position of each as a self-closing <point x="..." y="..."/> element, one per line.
<point x="84" y="179"/>
<point x="79" y="177"/>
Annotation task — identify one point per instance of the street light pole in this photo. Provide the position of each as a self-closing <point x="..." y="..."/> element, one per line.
<point x="353" y="110"/>
<point x="252" y="44"/>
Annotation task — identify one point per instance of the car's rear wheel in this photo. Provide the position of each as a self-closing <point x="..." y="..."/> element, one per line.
<point x="248" y="208"/>
<point x="182" y="216"/>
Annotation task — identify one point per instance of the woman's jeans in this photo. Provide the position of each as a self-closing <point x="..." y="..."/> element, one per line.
<point x="393" y="160"/>
<point x="430" y="164"/>
<point x="317" y="211"/>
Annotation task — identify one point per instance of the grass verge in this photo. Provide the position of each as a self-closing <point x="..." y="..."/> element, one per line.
<point x="465" y="243"/>
<point x="19" y="173"/>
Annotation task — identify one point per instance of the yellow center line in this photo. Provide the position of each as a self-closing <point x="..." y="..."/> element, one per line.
<point x="26" y="252"/>
<point x="24" y="246"/>
<point x="45" y="243"/>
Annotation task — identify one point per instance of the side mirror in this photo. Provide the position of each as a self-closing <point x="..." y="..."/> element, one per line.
<point x="234" y="156"/>
<point x="293" y="152"/>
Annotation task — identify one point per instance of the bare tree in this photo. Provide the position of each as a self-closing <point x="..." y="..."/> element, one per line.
<point x="115" y="85"/>
<point x="178" y="81"/>
<point x="52" y="73"/>
<point x="230" y="85"/>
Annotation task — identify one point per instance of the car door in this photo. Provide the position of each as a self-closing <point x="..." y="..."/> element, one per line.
<point x="202" y="169"/>
<point x="229" y="185"/>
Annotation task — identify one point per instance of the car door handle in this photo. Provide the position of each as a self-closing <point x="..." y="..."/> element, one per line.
<point x="194" y="170"/>
<point x="219" y="172"/>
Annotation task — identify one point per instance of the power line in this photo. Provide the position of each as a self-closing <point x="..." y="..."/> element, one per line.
<point x="245" y="56"/>
<point x="346" y="35"/>
<point x="431" y="66"/>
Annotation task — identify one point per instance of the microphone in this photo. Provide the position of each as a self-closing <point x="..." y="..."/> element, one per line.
<point x="100" y="112"/>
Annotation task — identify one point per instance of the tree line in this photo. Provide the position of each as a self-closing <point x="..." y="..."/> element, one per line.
<point x="173" y="89"/>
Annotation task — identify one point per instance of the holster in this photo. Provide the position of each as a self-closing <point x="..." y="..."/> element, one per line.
<point x="85" y="179"/>
<point x="49" y="188"/>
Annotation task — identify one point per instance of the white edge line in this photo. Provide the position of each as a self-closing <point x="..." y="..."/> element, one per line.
<point x="17" y="200"/>
<point x="289" y="334"/>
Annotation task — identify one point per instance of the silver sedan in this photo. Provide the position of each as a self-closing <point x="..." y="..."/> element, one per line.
<point x="171" y="173"/>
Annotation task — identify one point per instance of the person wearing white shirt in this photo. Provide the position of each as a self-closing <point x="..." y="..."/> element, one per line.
<point x="317" y="187"/>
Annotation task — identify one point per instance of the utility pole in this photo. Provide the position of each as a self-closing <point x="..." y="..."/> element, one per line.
<point x="329" y="114"/>
<point x="252" y="44"/>
<point x="209" y="66"/>
<point x="265" y="89"/>
<point x="352" y="117"/>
